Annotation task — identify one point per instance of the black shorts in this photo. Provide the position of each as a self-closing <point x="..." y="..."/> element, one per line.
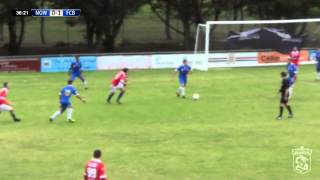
<point x="284" y="99"/>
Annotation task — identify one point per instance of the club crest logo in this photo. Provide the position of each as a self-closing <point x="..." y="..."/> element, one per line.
<point x="302" y="160"/>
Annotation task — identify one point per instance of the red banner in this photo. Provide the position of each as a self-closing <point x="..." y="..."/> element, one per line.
<point x="30" y="64"/>
<point x="276" y="57"/>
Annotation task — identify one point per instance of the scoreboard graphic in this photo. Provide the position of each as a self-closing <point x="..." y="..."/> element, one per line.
<point x="47" y="12"/>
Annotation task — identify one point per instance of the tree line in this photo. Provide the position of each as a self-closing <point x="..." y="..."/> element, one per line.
<point x="103" y="19"/>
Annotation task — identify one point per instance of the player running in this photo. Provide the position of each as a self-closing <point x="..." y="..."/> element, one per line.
<point x="95" y="169"/>
<point x="5" y="90"/>
<point x="118" y="82"/>
<point x="284" y="100"/>
<point x="75" y="71"/>
<point x="65" y="94"/>
<point x="293" y="72"/>
<point x="318" y="64"/>
<point x="295" y="56"/>
<point x="183" y="71"/>
<point x="5" y="105"/>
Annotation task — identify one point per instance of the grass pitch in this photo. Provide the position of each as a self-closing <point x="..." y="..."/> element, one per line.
<point x="230" y="133"/>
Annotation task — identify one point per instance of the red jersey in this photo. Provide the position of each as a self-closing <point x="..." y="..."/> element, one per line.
<point x="4" y="92"/>
<point x="95" y="170"/>
<point x="120" y="77"/>
<point x="295" y="56"/>
<point x="3" y="100"/>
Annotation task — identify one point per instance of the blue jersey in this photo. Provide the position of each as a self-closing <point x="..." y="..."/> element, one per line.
<point x="183" y="71"/>
<point x="66" y="93"/>
<point x="291" y="81"/>
<point x="292" y="70"/>
<point x="318" y="57"/>
<point x="76" y="67"/>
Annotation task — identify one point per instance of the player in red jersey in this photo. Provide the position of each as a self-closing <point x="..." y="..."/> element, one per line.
<point x="95" y="169"/>
<point x="5" y="105"/>
<point x="119" y="82"/>
<point x="4" y="91"/>
<point x="295" y="56"/>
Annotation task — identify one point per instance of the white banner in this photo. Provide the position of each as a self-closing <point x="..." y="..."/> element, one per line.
<point x="196" y="61"/>
<point x="233" y="59"/>
<point x="167" y="60"/>
<point x="119" y="62"/>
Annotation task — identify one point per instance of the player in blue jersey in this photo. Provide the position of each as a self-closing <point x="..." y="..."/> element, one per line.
<point x="183" y="71"/>
<point x="65" y="104"/>
<point x="75" y="71"/>
<point x="318" y="63"/>
<point x="292" y="72"/>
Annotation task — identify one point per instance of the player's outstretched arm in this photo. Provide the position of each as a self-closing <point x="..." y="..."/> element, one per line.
<point x="81" y="98"/>
<point x="124" y="81"/>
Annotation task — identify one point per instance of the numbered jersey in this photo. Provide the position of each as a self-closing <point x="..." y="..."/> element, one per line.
<point x="66" y="93"/>
<point x="95" y="170"/>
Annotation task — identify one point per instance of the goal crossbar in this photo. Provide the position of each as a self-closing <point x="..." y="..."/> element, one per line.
<point x="206" y="28"/>
<point x="282" y="21"/>
<point x="208" y="24"/>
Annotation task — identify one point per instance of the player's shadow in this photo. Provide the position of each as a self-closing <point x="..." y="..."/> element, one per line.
<point x="6" y="122"/>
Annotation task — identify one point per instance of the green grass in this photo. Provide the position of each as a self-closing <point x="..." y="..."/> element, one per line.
<point x="230" y="133"/>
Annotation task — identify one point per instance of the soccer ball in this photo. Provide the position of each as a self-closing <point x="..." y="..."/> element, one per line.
<point x="195" y="96"/>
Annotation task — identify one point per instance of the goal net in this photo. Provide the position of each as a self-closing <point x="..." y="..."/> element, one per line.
<point x="255" y="36"/>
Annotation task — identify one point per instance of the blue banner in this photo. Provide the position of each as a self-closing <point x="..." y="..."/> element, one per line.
<point x="62" y="64"/>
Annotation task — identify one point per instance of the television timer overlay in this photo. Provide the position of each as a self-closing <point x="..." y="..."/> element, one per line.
<point x="47" y="12"/>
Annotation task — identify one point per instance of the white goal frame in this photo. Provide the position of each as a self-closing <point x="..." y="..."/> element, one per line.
<point x="208" y="25"/>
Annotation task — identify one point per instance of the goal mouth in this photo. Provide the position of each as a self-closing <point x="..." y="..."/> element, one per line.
<point x="257" y="35"/>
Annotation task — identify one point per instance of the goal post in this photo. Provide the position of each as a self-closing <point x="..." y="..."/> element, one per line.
<point x="196" y="46"/>
<point x="204" y="34"/>
<point x="200" y="58"/>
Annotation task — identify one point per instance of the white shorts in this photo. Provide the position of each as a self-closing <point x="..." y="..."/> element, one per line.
<point x="4" y="108"/>
<point x="119" y="86"/>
